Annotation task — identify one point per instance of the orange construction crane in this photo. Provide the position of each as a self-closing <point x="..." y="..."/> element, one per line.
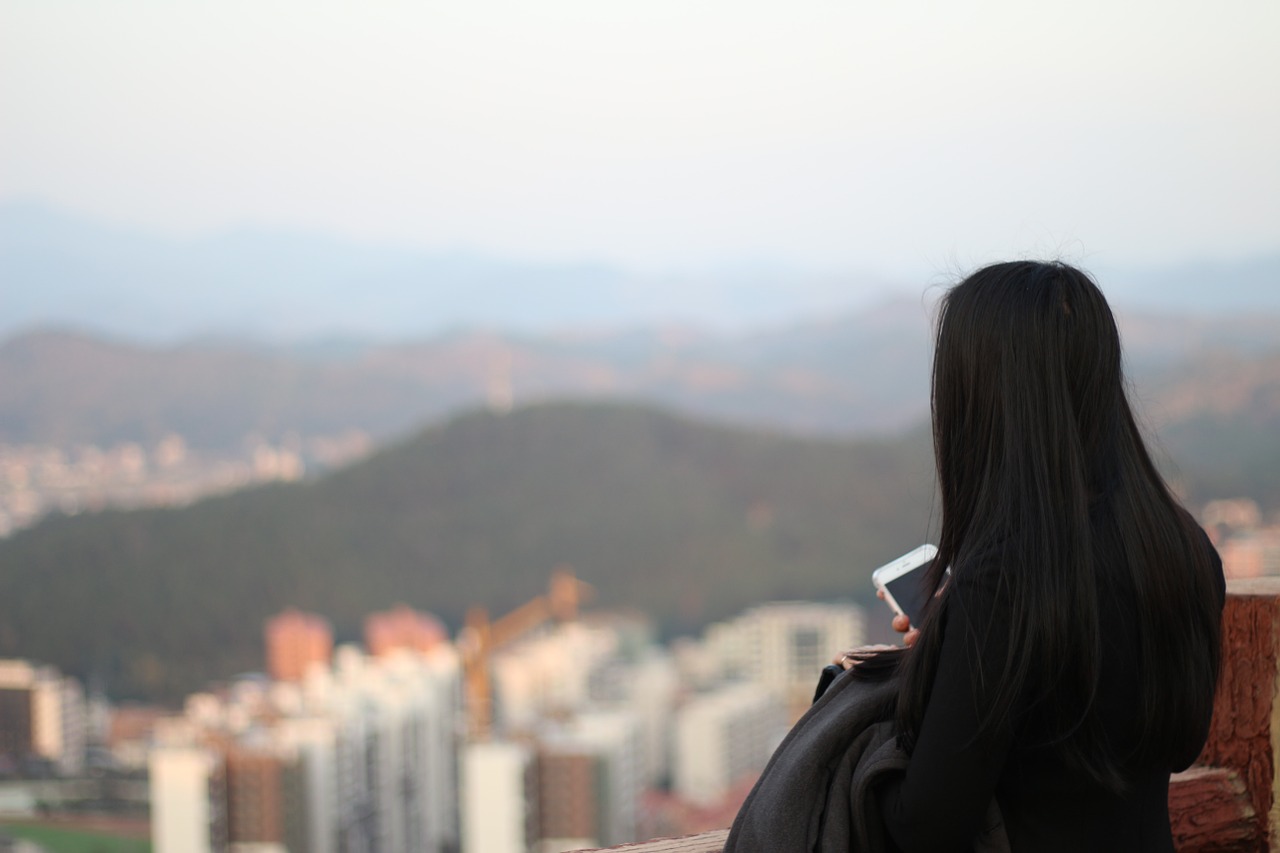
<point x="481" y="638"/>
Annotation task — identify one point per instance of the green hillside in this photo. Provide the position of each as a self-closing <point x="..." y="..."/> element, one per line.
<point x="1218" y="420"/>
<point x="686" y="521"/>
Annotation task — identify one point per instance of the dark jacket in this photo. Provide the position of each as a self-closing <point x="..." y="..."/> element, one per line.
<point x="818" y="791"/>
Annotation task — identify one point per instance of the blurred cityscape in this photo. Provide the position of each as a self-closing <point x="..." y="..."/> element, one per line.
<point x="547" y="729"/>
<point x="38" y="479"/>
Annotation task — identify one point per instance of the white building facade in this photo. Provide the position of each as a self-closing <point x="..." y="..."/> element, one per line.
<point x="499" y="805"/>
<point x="784" y="646"/>
<point x="53" y="714"/>
<point x="723" y="737"/>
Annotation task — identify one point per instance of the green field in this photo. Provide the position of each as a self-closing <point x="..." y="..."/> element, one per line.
<point x="58" y="840"/>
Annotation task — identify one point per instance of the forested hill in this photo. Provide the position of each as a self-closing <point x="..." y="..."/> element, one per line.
<point x="686" y="521"/>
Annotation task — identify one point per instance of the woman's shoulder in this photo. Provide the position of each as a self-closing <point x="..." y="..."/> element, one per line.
<point x="983" y="582"/>
<point x="1212" y="562"/>
<point x="989" y="568"/>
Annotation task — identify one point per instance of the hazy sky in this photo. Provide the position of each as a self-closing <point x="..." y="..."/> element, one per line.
<point x="661" y="133"/>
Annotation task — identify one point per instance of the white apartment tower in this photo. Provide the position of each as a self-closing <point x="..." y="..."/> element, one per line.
<point x="590" y="776"/>
<point x="724" y="736"/>
<point x="784" y="646"/>
<point x="185" y="806"/>
<point x="499" y="805"/>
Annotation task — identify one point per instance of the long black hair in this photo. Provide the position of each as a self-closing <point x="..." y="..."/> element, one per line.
<point x="1032" y="431"/>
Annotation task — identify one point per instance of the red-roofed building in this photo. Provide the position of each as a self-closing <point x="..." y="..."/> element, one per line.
<point x="295" y="642"/>
<point x="402" y="627"/>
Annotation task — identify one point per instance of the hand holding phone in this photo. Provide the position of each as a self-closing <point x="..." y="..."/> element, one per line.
<point x="900" y="583"/>
<point x="902" y="625"/>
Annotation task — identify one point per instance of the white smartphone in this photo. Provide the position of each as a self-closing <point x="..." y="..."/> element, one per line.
<point x="903" y="582"/>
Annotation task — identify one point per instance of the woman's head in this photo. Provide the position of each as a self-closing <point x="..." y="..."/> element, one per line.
<point x="1027" y="388"/>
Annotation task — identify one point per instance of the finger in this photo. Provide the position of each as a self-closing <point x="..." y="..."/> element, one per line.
<point x="911" y="636"/>
<point x="880" y="594"/>
<point x="901" y="623"/>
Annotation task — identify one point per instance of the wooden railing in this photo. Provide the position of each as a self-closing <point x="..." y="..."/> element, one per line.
<point x="705" y="842"/>
<point x="1230" y="801"/>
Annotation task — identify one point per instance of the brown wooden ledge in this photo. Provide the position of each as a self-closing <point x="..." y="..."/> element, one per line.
<point x="1229" y="801"/>
<point x="1210" y="810"/>
<point x="703" y="842"/>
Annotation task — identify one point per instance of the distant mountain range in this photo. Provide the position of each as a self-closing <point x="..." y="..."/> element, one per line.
<point x="864" y="373"/>
<point x="65" y="271"/>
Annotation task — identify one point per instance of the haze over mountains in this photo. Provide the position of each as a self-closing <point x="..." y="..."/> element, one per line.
<point x="860" y="374"/>
<point x="271" y="286"/>
<point x="60" y="270"/>
<point x="266" y="334"/>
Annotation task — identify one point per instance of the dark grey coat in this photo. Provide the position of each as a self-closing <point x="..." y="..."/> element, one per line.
<point x="818" y="792"/>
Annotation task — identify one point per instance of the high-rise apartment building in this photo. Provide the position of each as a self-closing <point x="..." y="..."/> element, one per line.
<point x="724" y="736"/>
<point x="296" y="641"/>
<point x="549" y="673"/>
<point x="43" y="717"/>
<point x="17" y="739"/>
<point x="266" y="798"/>
<point x="310" y="744"/>
<point x="784" y="646"/>
<point x="499" y="797"/>
<point x="647" y="685"/>
<point x="570" y="802"/>
<point x="397" y="719"/>
<point x="590" y="770"/>
<point x="188" y="799"/>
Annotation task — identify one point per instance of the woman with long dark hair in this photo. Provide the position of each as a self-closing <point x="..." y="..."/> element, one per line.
<point x="1067" y="662"/>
